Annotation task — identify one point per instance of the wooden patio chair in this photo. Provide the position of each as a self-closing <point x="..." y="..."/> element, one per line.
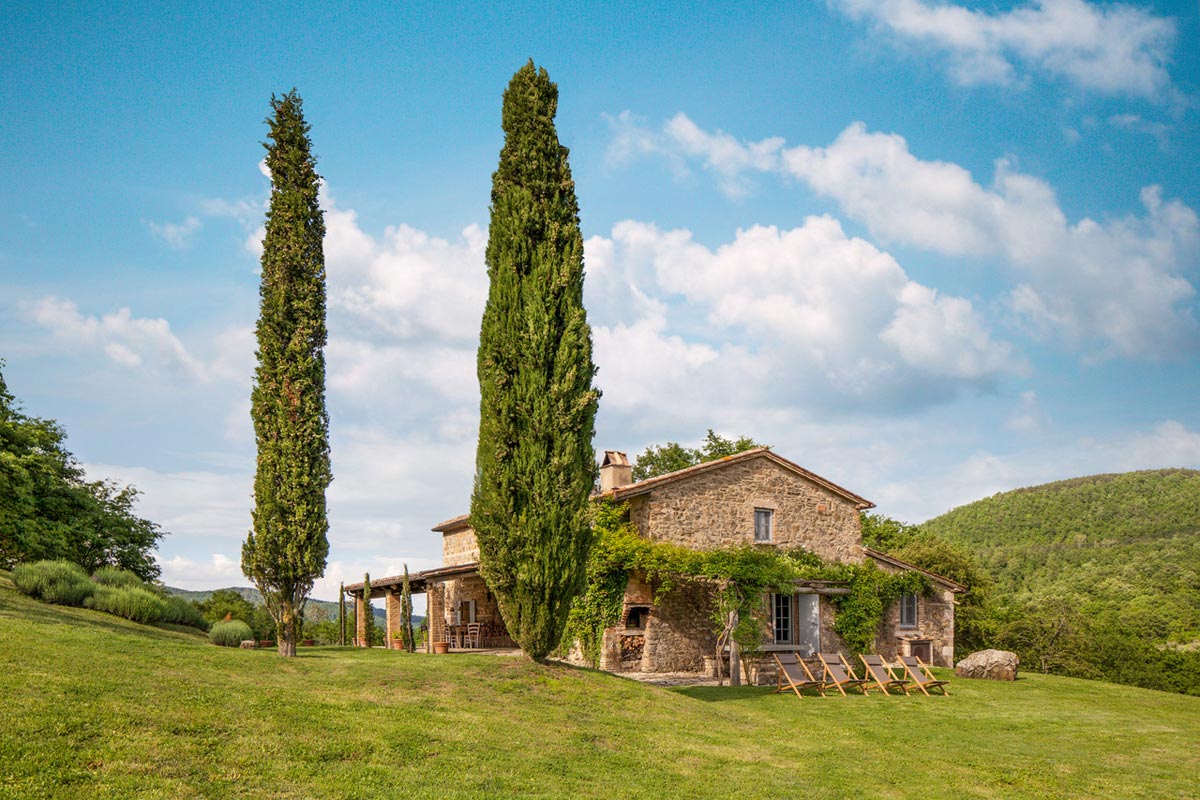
<point x="879" y="673"/>
<point x="921" y="677"/>
<point x="794" y="675"/>
<point x="838" y="674"/>
<point x="473" y="635"/>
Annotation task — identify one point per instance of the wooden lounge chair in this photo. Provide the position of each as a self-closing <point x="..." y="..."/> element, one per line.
<point x="839" y="675"/>
<point x="794" y="675"/>
<point x="921" y="677"/>
<point x="879" y="673"/>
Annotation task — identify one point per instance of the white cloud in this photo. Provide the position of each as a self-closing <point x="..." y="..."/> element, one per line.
<point x="806" y="312"/>
<point x="1111" y="49"/>
<point x="1135" y="123"/>
<point x="724" y="154"/>
<point x="928" y="491"/>
<point x="176" y="235"/>
<point x="219" y="572"/>
<point x="407" y="284"/>
<point x="1028" y="416"/>
<point x="127" y="340"/>
<point x="189" y="504"/>
<point x="639" y="364"/>
<point x="1112" y="287"/>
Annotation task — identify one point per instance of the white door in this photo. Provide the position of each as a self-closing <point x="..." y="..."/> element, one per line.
<point x="808" y="624"/>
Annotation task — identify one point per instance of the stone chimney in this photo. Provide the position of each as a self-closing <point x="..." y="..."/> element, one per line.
<point x="615" y="470"/>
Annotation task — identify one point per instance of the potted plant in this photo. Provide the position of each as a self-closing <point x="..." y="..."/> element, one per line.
<point x="441" y="648"/>
<point x="397" y="641"/>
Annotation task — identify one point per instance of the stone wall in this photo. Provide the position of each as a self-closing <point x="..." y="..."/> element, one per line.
<point x="394" y="624"/>
<point x="831" y="640"/>
<point x="935" y="623"/>
<point x="459" y="547"/>
<point x="716" y="509"/>
<point x="436" y="594"/>
<point x="679" y="632"/>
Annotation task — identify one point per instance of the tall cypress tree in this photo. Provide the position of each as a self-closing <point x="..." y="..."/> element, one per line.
<point x="286" y="550"/>
<point x="368" y="613"/>
<point x="534" y="466"/>
<point x="406" y="608"/>
<point x="342" y="614"/>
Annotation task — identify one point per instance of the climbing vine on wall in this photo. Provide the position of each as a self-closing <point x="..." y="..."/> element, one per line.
<point x="739" y="575"/>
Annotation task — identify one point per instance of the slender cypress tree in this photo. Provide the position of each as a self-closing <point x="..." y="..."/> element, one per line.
<point x="534" y="466"/>
<point x="368" y="613"/>
<point x="286" y="550"/>
<point x="342" y="614"/>
<point x="406" y="628"/>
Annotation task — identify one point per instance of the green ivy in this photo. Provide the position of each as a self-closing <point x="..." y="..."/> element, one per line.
<point x="741" y="576"/>
<point x="872" y="592"/>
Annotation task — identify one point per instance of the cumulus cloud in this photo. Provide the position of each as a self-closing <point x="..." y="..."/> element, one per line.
<point x="1117" y="287"/>
<point x="129" y="341"/>
<point x="805" y="312"/>
<point x="176" y="235"/>
<point x="406" y="284"/>
<point x="1111" y="49"/>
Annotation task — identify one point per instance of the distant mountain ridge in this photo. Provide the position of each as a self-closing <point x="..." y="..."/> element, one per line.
<point x="252" y="595"/>
<point x="1123" y="544"/>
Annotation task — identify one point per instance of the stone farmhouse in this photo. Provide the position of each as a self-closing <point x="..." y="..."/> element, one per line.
<point x="754" y="496"/>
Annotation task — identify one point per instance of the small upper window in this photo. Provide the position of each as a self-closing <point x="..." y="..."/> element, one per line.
<point x="763" y="523"/>
<point x="908" y="611"/>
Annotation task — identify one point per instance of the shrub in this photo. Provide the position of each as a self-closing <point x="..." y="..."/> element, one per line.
<point x="183" y="612"/>
<point x="231" y="633"/>
<point x="61" y="582"/>
<point x="131" y="602"/>
<point x="115" y="576"/>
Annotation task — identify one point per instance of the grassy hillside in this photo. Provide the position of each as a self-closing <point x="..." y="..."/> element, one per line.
<point x="1126" y="546"/>
<point x="94" y="707"/>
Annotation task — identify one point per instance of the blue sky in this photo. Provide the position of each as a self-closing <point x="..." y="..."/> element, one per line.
<point x="928" y="250"/>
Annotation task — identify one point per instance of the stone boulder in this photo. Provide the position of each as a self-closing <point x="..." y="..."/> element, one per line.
<point x="248" y="644"/>
<point x="996" y="665"/>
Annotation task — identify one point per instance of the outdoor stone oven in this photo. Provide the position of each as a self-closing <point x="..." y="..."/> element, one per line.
<point x="633" y="635"/>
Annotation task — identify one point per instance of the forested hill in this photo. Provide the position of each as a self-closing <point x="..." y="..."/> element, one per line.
<point x="1125" y="547"/>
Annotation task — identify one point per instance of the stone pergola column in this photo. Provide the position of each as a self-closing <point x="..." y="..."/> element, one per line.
<point x="360" y="621"/>
<point x="437" y="615"/>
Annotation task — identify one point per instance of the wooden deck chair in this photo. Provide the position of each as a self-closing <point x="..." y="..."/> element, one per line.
<point x="879" y="673"/>
<point x="794" y="675"/>
<point x="921" y="677"/>
<point x="838" y="675"/>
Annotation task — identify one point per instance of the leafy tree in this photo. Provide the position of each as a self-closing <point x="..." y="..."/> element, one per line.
<point x="535" y="466"/>
<point x="661" y="459"/>
<point x="1088" y="568"/>
<point x="48" y="510"/>
<point x="285" y="552"/>
<point x="226" y="603"/>
<point x="882" y="533"/>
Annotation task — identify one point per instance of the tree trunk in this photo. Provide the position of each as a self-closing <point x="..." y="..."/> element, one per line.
<point x="286" y="630"/>
<point x="735" y="652"/>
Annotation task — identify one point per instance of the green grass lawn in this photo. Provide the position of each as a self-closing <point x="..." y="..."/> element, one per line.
<point x="92" y="706"/>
